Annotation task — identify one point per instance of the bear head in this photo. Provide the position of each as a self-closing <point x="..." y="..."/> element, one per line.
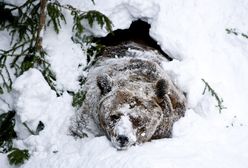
<point x="130" y="114"/>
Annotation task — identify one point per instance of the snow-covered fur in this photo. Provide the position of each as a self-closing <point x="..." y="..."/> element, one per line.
<point x="131" y="99"/>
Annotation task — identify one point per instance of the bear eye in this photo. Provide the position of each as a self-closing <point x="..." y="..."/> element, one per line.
<point x="136" y="121"/>
<point x="132" y="105"/>
<point x="134" y="102"/>
<point x="115" y="117"/>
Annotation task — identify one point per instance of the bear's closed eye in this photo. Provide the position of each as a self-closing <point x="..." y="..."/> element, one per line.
<point x="115" y="117"/>
<point x="132" y="105"/>
<point x="136" y="121"/>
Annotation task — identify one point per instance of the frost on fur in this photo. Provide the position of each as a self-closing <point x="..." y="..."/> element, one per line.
<point x="130" y="99"/>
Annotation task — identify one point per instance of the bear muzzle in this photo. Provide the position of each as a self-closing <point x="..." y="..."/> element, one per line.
<point x="124" y="134"/>
<point x="122" y="142"/>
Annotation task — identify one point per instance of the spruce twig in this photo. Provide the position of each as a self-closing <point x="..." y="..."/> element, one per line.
<point x="26" y="50"/>
<point x="214" y="94"/>
<point x="17" y="156"/>
<point x="90" y="16"/>
<point x="25" y="28"/>
<point x="236" y="33"/>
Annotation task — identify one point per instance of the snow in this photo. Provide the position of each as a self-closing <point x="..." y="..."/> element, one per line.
<point x="193" y="32"/>
<point x="66" y="58"/>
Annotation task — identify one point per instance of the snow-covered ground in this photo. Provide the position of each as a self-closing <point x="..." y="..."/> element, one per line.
<point x="193" y="32"/>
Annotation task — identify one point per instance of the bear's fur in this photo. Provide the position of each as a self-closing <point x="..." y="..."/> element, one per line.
<point x="130" y="99"/>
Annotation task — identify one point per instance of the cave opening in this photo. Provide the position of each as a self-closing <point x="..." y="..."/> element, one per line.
<point x="138" y="32"/>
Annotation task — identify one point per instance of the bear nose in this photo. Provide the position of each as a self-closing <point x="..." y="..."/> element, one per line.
<point x="122" y="139"/>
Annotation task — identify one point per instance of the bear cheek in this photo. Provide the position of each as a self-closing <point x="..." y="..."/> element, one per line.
<point x="142" y="130"/>
<point x="110" y="128"/>
<point x="142" y="135"/>
<point x="154" y="122"/>
<point x="102" y="124"/>
<point x="109" y="131"/>
<point x="105" y="126"/>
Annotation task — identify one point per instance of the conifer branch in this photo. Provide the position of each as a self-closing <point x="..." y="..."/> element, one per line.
<point x="236" y="33"/>
<point x="214" y="94"/>
<point x="90" y="16"/>
<point x="25" y="29"/>
<point x="17" y="156"/>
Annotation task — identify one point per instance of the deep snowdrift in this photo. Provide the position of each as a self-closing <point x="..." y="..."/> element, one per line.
<point x="193" y="32"/>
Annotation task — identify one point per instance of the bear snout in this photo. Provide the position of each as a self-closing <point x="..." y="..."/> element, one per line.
<point x="122" y="140"/>
<point x="124" y="134"/>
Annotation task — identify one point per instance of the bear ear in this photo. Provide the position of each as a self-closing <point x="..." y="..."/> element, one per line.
<point x="104" y="83"/>
<point x="161" y="88"/>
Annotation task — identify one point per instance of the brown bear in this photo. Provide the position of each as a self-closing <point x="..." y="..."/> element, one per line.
<point x="129" y="97"/>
